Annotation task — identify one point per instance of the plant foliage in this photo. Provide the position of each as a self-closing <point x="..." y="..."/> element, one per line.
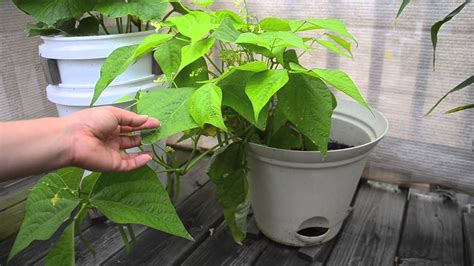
<point x="229" y="76"/>
<point x="250" y="87"/>
<point x="434" y="40"/>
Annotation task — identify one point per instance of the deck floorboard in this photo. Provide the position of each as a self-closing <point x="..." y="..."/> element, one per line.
<point x="432" y="231"/>
<point x="387" y="226"/>
<point x="372" y="232"/>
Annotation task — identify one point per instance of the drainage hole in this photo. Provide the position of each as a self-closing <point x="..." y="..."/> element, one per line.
<point x="313" y="231"/>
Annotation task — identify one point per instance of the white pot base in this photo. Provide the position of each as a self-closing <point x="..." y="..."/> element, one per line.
<point x="295" y="190"/>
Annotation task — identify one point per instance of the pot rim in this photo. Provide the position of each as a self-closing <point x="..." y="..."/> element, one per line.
<point x="62" y="37"/>
<point x="332" y="152"/>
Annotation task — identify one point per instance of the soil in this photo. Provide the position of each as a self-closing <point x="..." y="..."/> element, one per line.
<point x="334" y="145"/>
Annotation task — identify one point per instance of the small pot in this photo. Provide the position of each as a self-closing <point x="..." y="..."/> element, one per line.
<point x="299" y="198"/>
<point x="79" y="60"/>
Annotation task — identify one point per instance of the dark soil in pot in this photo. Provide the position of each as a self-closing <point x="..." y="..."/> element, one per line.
<point x="334" y="145"/>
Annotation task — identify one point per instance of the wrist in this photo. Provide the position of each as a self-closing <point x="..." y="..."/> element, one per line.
<point x="66" y="131"/>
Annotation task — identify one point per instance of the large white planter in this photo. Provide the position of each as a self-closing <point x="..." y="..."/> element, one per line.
<point x="298" y="198"/>
<point x="79" y="60"/>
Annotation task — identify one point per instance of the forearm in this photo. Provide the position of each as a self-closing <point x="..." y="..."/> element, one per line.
<point x="33" y="146"/>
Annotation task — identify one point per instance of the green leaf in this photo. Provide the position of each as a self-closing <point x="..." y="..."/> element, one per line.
<point x="205" y="106"/>
<point x="88" y="26"/>
<point x="204" y="3"/>
<point x="137" y="197"/>
<point x="124" y="99"/>
<point x="275" y="24"/>
<point x="262" y="86"/>
<point x="437" y="26"/>
<point x="333" y="47"/>
<point x="277" y="119"/>
<point x="345" y="44"/>
<point x="117" y="62"/>
<point x="228" y="171"/>
<point x="71" y="176"/>
<point x="272" y="40"/>
<point x="170" y="107"/>
<point x="460" y="108"/>
<point x="144" y="9"/>
<point x="195" y="25"/>
<point x="308" y="104"/>
<point x="178" y="7"/>
<point x="226" y="31"/>
<point x="40" y="28"/>
<point x="88" y="183"/>
<point x="290" y="56"/>
<point x="220" y="15"/>
<point x="168" y="56"/>
<point x="193" y="73"/>
<point x="233" y="95"/>
<point x="329" y="24"/>
<point x="402" y="7"/>
<point x="460" y="86"/>
<point x="52" y="11"/>
<point x="193" y="52"/>
<point x="48" y="205"/>
<point x="286" y="138"/>
<point x="149" y="43"/>
<point x="341" y="81"/>
<point x="62" y="253"/>
<point x="255" y="66"/>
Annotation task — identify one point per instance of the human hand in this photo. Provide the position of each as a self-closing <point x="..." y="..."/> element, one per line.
<point x="98" y="137"/>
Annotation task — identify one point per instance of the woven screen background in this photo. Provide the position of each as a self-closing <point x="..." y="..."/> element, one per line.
<point x="22" y="83"/>
<point x="392" y="67"/>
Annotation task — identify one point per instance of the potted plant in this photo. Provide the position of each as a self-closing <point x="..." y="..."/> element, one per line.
<point x="78" y="36"/>
<point x="272" y="116"/>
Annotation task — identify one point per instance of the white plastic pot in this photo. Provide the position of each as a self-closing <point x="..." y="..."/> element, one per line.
<point x="79" y="60"/>
<point x="298" y="198"/>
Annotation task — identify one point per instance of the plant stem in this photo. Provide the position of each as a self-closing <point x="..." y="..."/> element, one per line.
<point x="124" y="237"/>
<point x="128" y="25"/>
<point x="193" y="152"/>
<point x="213" y="64"/>
<point x="177" y="185"/>
<point x="117" y="23"/>
<point x="101" y="22"/>
<point x="86" y="243"/>
<point x="168" y="14"/>
<point x="121" y="25"/>
<point x="132" y="234"/>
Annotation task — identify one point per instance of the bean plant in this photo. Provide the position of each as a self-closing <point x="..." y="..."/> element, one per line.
<point x="228" y="75"/>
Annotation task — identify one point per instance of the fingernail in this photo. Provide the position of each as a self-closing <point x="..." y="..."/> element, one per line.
<point x="144" y="116"/>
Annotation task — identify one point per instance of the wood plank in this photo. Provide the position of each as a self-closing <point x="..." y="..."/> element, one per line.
<point x="372" y="232"/>
<point x="220" y="249"/>
<point x="468" y="226"/>
<point x="12" y="204"/>
<point x="432" y="231"/>
<point x="105" y="237"/>
<point x="11" y="219"/>
<point x="277" y="254"/>
<point x="199" y="213"/>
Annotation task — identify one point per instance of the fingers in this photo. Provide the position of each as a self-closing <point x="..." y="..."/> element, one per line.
<point x="132" y="161"/>
<point x="132" y="121"/>
<point x="127" y="142"/>
<point x="149" y="124"/>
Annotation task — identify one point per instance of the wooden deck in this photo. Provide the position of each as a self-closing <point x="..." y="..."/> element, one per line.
<point x="387" y="226"/>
